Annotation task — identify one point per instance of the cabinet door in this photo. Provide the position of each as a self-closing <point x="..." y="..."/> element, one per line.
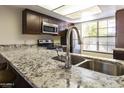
<point x="32" y="23"/>
<point x="120" y="29"/>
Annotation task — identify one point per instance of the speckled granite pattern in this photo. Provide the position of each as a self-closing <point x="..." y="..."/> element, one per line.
<point x="36" y="64"/>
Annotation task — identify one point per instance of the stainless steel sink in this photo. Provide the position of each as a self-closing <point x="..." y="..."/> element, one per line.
<point x="105" y="67"/>
<point x="74" y="59"/>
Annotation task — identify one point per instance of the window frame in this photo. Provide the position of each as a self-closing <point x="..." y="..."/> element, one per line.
<point x="97" y="37"/>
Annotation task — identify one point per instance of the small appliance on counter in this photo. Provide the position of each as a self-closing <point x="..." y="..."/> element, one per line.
<point x="46" y="43"/>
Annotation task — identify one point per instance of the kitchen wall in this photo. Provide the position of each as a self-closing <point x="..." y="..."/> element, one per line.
<point x="11" y="30"/>
<point x="11" y="27"/>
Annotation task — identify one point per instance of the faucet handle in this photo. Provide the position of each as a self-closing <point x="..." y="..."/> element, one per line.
<point x="58" y="48"/>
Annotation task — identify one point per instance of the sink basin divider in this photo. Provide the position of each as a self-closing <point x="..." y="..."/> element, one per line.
<point x="86" y="60"/>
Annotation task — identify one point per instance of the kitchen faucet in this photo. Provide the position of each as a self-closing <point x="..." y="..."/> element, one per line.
<point x="68" y="56"/>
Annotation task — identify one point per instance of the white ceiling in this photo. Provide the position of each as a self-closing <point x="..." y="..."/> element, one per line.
<point x="106" y="11"/>
<point x="73" y="11"/>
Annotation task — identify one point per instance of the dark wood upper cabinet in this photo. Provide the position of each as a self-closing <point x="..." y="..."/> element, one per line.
<point x="120" y="29"/>
<point x="31" y="22"/>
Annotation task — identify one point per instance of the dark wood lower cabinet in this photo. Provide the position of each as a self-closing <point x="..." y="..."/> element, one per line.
<point x="19" y="81"/>
<point x="10" y="77"/>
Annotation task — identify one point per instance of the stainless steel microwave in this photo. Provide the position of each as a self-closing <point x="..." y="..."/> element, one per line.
<point x="49" y="28"/>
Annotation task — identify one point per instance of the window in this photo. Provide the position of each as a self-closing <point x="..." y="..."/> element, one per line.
<point x="99" y="35"/>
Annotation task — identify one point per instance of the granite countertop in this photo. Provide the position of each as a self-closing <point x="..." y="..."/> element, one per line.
<point x="38" y="67"/>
